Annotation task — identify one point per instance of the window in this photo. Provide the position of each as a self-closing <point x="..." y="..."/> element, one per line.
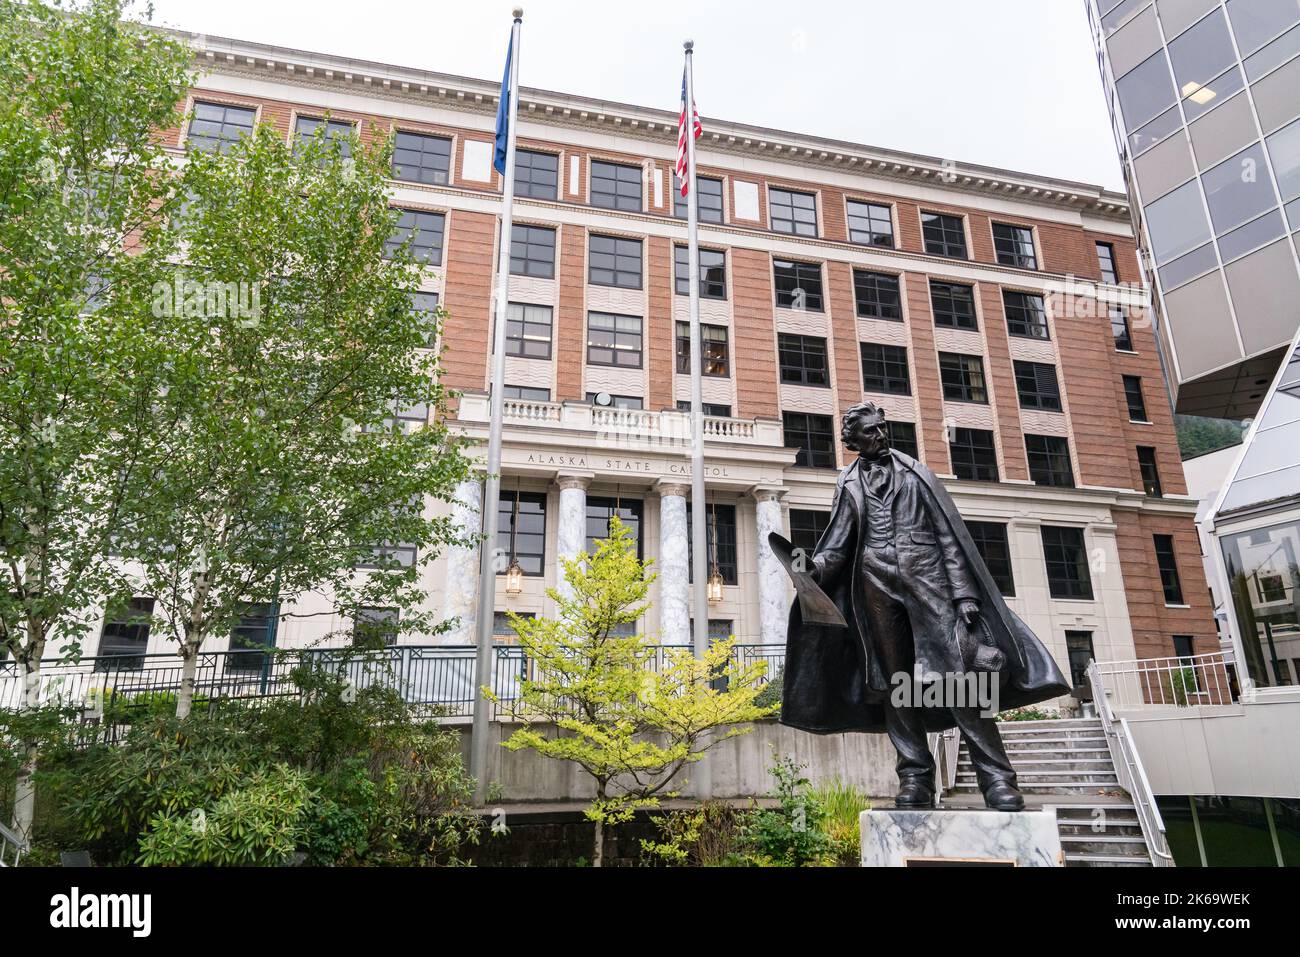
<point x="124" y="639"/>
<point x="707" y="408"/>
<point x="1037" y="387"/>
<point x="1137" y="407"/>
<point x="1049" y="460"/>
<point x="374" y="627"/>
<point x="532" y="251"/>
<point x="974" y="457"/>
<point x="425" y="306"/>
<point x="803" y="359"/>
<point x="1119" y="330"/>
<point x="502" y="627"/>
<point x="713" y="272"/>
<point x="722" y="519"/>
<point x="1150" y="473"/>
<point x="871" y="224"/>
<point x="337" y="133"/>
<point x="601" y="511"/>
<point x="526" y="393"/>
<point x="424" y="231"/>
<point x="715" y="357"/>
<point x="798" y="285"/>
<point x="813" y="436"/>
<point x="628" y="403"/>
<point x="962" y="377"/>
<point x="615" y="186"/>
<point x="421" y="158"/>
<point x="708" y="194"/>
<point x="614" y="340"/>
<point x="806" y="528"/>
<point x="1067" y="562"/>
<point x="902" y="436"/>
<point x="528" y="330"/>
<point x="529" y="534"/>
<point x="1106" y="261"/>
<point x="1078" y="645"/>
<point x="953" y="304"/>
<point x="1168" y="565"/>
<point x="1026" y="314"/>
<point x="1265" y="623"/>
<point x="250" y="638"/>
<point x="391" y="555"/>
<point x="216" y="128"/>
<point x="1014" y="246"/>
<point x="991" y="542"/>
<point x="537" y="175"/>
<point x="876" y="295"/>
<point x="884" y="369"/>
<point x="614" y="261"/>
<point x="944" y="235"/>
<point x="791" y="212"/>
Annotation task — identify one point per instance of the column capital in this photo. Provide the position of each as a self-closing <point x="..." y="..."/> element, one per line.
<point x="667" y="487"/>
<point x="578" y="480"/>
<point x="768" y="493"/>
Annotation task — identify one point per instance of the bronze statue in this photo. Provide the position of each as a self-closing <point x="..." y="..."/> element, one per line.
<point x="919" y="608"/>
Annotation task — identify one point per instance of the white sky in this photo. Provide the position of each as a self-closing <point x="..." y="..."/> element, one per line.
<point x="1009" y="83"/>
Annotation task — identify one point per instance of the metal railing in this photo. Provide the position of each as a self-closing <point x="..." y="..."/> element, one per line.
<point x="1130" y="773"/>
<point x="12" y="847"/>
<point x="1183" y="682"/>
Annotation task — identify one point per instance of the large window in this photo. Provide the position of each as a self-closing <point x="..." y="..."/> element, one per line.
<point x="884" y="369"/>
<point x="1106" y="263"/>
<point x="1150" y="471"/>
<point x="953" y="304"/>
<point x="1137" y="407"/>
<point x="1078" y="645"/>
<point x="813" y="436"/>
<point x="217" y="127"/>
<point x="1067" y="562"/>
<point x="528" y="330"/>
<point x="806" y="528"/>
<point x="974" y="456"/>
<point x="803" y="359"/>
<point x="709" y="194"/>
<point x="716" y="358"/>
<point x="628" y="403"/>
<point x="532" y="251"/>
<point x="1049" y="460"/>
<point x="614" y="261"/>
<point x="902" y="436"/>
<point x="615" y="186"/>
<point x="713" y="272"/>
<point x="375" y="626"/>
<point x="792" y="212"/>
<point x="715" y="409"/>
<point x="871" y="224"/>
<point x="991" y="542"/>
<point x="1263" y="567"/>
<point x="1014" y="246"/>
<point x="1168" y="565"/>
<point x="1119" y="330"/>
<point x="798" y="284"/>
<point x="251" y="637"/>
<point x="337" y="134"/>
<point x="124" y="639"/>
<point x="601" y="511"/>
<point x="613" y="340"/>
<point x="962" y="377"/>
<point x="877" y="295"/>
<point x="537" y="175"/>
<point x="1037" y="387"/>
<point x="421" y="158"/>
<point x="526" y="393"/>
<point x="944" y="235"/>
<point x="1026" y="314"/>
<point x="719" y="533"/>
<point x="529" y="531"/>
<point x="424" y="230"/>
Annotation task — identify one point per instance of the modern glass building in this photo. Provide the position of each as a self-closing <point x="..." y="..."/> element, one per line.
<point x="1204" y="97"/>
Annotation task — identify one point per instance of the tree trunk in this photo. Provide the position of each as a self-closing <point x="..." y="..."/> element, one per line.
<point x="598" y="848"/>
<point x="189" y="668"/>
<point x="25" y="785"/>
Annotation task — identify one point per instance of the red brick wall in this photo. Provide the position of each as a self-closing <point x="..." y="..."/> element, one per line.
<point x="571" y="319"/>
<point x="467" y="298"/>
<point x="661" y="337"/>
<point x="755" y="346"/>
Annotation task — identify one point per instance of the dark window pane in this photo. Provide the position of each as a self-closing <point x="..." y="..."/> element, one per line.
<point x="902" y="436"/>
<point x="250" y="638"/>
<point x="421" y="158"/>
<point x="802" y="359"/>
<point x="216" y="127"/>
<point x="633" y="403"/>
<point x="716" y="356"/>
<point x="1168" y="564"/>
<point x="526" y="393"/>
<point x="524" y="514"/>
<point x="962" y="377"/>
<point x="1026" y="314"/>
<point x="528" y="330"/>
<point x="124" y="640"/>
<point x="1049" y="460"/>
<point x="1106" y="260"/>
<point x="709" y="199"/>
<point x="813" y="436"/>
<point x="532" y="251"/>
<point x="614" y="340"/>
<point x="974" y="456"/>
<point x="334" y="133"/>
<point x="615" y="186"/>
<point x="713" y="273"/>
<point x="1014" y="246"/>
<point x="1067" y="562"/>
<point x="719" y="534"/>
<point x="877" y="295"/>
<point x="1037" y="387"/>
<point x="884" y="369"/>
<point x="375" y="627"/>
<point x="1119" y="330"/>
<point x="806" y="527"/>
<point x="423" y="230"/>
<point x="798" y="285"/>
<point x="1078" y="645"/>
<point x="870" y="224"/>
<point x="944" y="235"/>
<point x="1150" y="473"/>
<point x="537" y="175"/>
<point x="991" y="542"/>
<point x="953" y="304"/>
<point x="792" y="212"/>
<point x="601" y="511"/>
<point x="1137" y="407"/>
<point x="707" y="408"/>
<point x="614" y="261"/>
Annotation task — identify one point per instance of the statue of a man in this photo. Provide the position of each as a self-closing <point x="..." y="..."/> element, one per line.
<point x="921" y="608"/>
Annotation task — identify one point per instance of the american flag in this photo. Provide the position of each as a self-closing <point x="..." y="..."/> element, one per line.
<point x="682" y="169"/>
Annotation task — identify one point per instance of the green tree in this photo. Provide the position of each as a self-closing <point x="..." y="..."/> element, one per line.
<point x="84" y="194"/>
<point x="596" y="697"/>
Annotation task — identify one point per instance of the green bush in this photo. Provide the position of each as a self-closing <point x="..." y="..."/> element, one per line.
<point x="843" y="803"/>
<point x="770" y="696"/>
<point x="1028" y="714"/>
<point x="792" y="834"/>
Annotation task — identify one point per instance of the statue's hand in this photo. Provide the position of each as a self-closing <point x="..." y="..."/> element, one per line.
<point x="815" y="570"/>
<point x="968" y="610"/>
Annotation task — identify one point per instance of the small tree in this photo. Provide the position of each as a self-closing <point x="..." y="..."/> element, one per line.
<point x="632" y="726"/>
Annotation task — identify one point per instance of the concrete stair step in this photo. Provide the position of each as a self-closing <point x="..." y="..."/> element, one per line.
<point x="1092" y="859"/>
<point x="1124" y="827"/>
<point x="1057" y="757"/>
<point x="1121" y="843"/>
<point x="1053" y="777"/>
<point x="1088" y="743"/>
<point x="1012" y="726"/>
<point x="1063" y="789"/>
<point x="1029" y="753"/>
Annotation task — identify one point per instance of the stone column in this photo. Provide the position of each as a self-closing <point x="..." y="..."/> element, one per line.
<point x="773" y="608"/>
<point x="673" y="566"/>
<point x="571" y="532"/>
<point x="460" y="587"/>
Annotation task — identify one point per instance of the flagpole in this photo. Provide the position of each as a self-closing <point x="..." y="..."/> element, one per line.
<point x="703" y="773"/>
<point x="487" y="587"/>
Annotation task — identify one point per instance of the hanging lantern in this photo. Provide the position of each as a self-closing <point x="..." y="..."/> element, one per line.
<point x="514" y="578"/>
<point x="714" y="589"/>
<point x="715" y="586"/>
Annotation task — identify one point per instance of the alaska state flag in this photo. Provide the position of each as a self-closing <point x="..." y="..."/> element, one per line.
<point x="503" y="113"/>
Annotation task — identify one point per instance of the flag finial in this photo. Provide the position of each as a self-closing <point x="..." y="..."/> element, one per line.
<point x="689" y="45"/>
<point x="519" y="13"/>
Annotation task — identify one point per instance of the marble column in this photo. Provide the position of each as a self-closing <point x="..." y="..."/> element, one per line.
<point x="460" y="587"/>
<point x="773" y="605"/>
<point x="571" y="531"/>
<point x="673" y="566"/>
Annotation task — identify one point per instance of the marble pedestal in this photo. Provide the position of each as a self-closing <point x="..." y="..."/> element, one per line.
<point x="897" y="837"/>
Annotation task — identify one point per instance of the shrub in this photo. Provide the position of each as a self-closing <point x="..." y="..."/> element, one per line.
<point x="843" y="803"/>
<point x="792" y="834"/>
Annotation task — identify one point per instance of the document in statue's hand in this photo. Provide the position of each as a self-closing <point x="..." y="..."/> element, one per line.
<point x="815" y="605"/>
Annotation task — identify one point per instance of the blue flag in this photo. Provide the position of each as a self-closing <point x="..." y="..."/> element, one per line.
<point x="503" y="113"/>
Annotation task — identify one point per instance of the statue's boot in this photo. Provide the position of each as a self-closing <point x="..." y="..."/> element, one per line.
<point x="1001" y="795"/>
<point x="915" y="792"/>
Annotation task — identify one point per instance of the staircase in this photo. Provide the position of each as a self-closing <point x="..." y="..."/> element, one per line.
<point x="1066" y="764"/>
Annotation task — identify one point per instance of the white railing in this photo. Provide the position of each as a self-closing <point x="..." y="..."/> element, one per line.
<point x="1130" y="773"/>
<point x="12" y="847"/>
<point x="528" y="411"/>
<point x="945" y="746"/>
<point x="1144" y="684"/>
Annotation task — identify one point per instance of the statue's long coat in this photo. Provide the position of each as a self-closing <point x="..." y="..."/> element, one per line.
<point x="833" y="681"/>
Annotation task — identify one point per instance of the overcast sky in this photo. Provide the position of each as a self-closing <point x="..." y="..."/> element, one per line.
<point x="1009" y="83"/>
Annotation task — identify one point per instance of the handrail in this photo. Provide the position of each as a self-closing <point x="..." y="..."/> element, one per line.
<point x="12" y="844"/>
<point x="1170" y="682"/>
<point x="1130" y="771"/>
